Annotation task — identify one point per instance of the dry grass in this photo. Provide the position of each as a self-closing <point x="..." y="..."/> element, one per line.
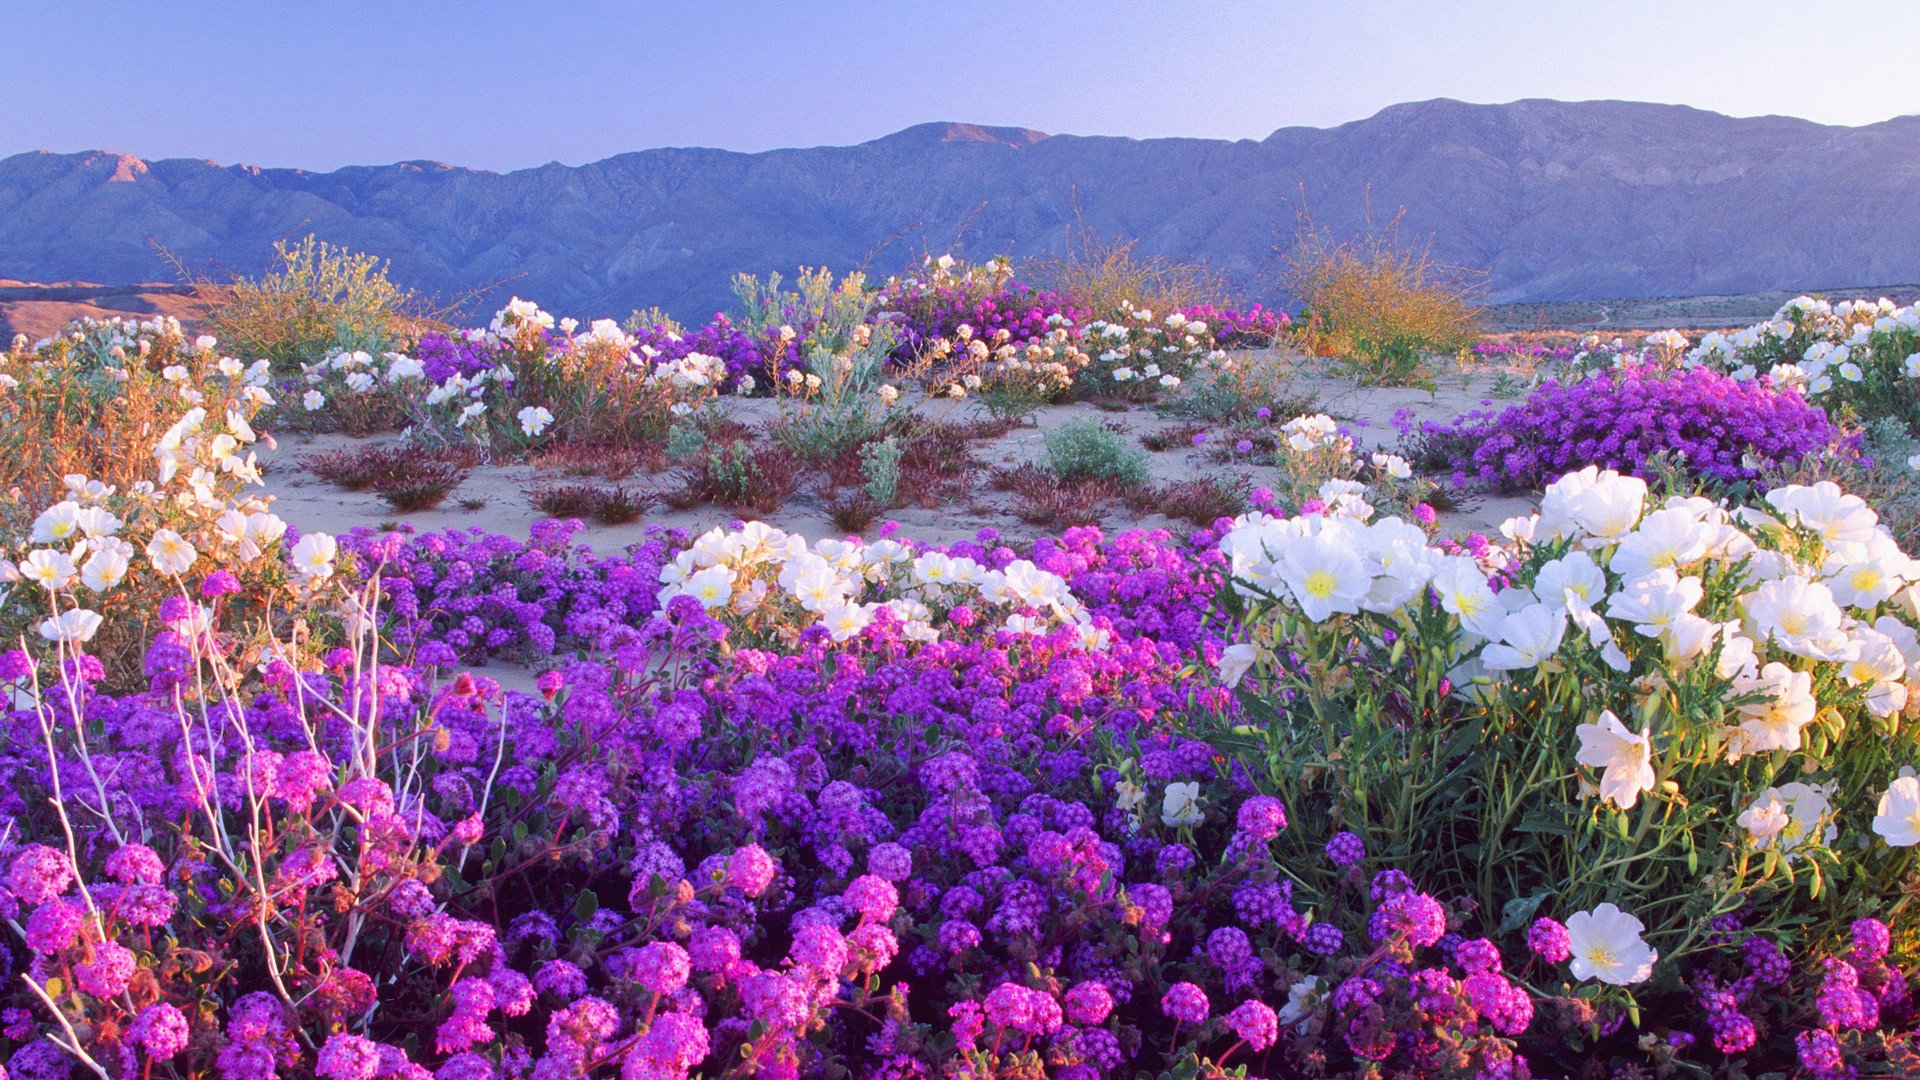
<point x="1109" y="277"/>
<point x="1382" y="305"/>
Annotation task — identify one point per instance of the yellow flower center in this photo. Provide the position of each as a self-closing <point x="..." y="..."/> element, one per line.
<point x="1319" y="584"/>
<point x="1602" y="955"/>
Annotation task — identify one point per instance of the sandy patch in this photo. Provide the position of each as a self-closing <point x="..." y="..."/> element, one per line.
<point x="496" y="497"/>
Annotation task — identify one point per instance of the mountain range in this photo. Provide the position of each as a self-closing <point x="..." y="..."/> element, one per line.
<point x="1553" y="200"/>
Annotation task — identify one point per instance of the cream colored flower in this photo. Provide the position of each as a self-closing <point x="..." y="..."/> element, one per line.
<point x="1607" y="946"/>
<point x="1181" y="805"/>
<point x="1624" y="757"/>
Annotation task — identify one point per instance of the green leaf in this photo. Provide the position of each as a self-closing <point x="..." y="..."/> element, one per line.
<point x="1519" y="911"/>
<point x="586" y="905"/>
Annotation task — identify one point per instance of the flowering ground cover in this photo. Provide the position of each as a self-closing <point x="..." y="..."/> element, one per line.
<point x="1309" y="787"/>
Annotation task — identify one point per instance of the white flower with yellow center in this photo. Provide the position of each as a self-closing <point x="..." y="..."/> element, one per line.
<point x="171" y="553"/>
<point x="313" y="556"/>
<point x="1607" y="946"/>
<point x="1655" y="600"/>
<point x="57" y="523"/>
<point x="48" y="568"/>
<point x="106" y="567"/>
<point x="1464" y="592"/>
<point x="1798" y="614"/>
<point x="713" y="587"/>
<point x="1324" y="575"/>
<point x="1669" y="538"/>
<point x="1571" y="581"/>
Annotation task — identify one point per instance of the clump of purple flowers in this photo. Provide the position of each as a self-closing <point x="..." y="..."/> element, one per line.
<point x="1712" y="425"/>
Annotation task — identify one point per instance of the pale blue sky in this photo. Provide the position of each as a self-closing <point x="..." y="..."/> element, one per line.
<point x="324" y="83"/>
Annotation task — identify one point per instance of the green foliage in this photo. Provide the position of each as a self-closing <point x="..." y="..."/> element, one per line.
<point x="880" y="464"/>
<point x="1089" y="450"/>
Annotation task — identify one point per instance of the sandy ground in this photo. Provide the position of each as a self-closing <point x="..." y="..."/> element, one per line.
<point x="496" y="497"/>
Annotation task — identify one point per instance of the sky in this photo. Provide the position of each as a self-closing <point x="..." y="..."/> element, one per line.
<point x="502" y="86"/>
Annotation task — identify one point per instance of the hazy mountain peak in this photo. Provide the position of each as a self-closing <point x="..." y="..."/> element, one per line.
<point x="1556" y="200"/>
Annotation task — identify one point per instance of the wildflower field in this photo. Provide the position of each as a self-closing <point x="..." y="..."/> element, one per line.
<point x="602" y="710"/>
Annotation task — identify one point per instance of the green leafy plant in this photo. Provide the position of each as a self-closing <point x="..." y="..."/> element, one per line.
<point x="1089" y="450"/>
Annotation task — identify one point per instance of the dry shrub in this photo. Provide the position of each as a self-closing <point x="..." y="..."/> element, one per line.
<point x="357" y="468"/>
<point x="421" y="485"/>
<point x="1108" y="278"/>
<point x="1043" y="499"/>
<point x="609" y="505"/>
<point x="608" y="461"/>
<point x="1202" y="502"/>
<point x="1177" y="437"/>
<point x="739" y="475"/>
<point x="1382" y="305"/>
<point x="316" y="300"/>
<point x="853" y="513"/>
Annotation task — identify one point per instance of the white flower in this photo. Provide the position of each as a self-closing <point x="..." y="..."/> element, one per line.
<point x="1898" y="819"/>
<point x="1235" y="661"/>
<point x="1571" y="581"/>
<point x="1301" y="1000"/>
<point x="1789" y="817"/>
<point x="1603" y="505"/>
<point x="48" y="567"/>
<point x="313" y="556"/>
<point x="313" y="400"/>
<point x="1775" y="723"/>
<point x="469" y="413"/>
<point x="1607" y="946"/>
<point x="1325" y="575"/>
<point x="1666" y="538"/>
<point x="1526" y="638"/>
<point x="713" y="587"/>
<point x="56" y="523"/>
<point x="1765" y="818"/>
<point x="1464" y="592"/>
<point x="1625" y="758"/>
<point x="75" y="625"/>
<point x="106" y="567"/>
<point x="1393" y="465"/>
<point x="1797" y="613"/>
<point x="1181" y="806"/>
<point x="534" y="419"/>
<point x="170" y="552"/>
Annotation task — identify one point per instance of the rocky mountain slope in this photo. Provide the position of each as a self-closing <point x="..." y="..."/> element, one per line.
<point x="1556" y="200"/>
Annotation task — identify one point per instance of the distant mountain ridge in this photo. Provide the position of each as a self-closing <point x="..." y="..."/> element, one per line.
<point x="1556" y="200"/>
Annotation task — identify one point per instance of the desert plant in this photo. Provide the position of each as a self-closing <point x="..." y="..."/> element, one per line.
<point x="1723" y="429"/>
<point x="1089" y="450"/>
<point x="610" y="505"/>
<point x="1108" y="278"/>
<point x="1380" y="305"/>
<point x="1858" y="359"/>
<point x="880" y="465"/>
<point x="316" y="300"/>
<point x="1244" y="385"/>
<point x="854" y="512"/>
<point x="1202" y="502"/>
<point x="419" y="482"/>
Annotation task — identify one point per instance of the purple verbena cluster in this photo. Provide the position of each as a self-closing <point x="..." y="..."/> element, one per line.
<point x="1713" y="425"/>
